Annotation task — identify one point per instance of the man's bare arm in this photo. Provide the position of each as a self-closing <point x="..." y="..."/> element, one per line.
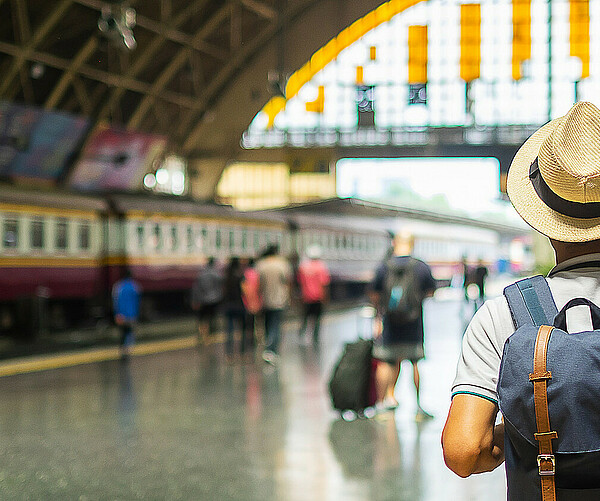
<point x="471" y="441"/>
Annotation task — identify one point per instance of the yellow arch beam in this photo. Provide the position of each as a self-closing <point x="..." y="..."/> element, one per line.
<point x="332" y="49"/>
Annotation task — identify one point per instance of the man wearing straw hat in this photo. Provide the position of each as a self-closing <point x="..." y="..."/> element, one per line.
<point x="554" y="184"/>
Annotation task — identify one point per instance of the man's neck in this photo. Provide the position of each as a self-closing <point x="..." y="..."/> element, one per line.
<point x="568" y="250"/>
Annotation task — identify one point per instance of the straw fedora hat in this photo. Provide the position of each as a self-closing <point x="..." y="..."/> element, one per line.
<point x="554" y="179"/>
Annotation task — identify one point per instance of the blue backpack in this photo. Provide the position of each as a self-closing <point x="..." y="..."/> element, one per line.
<point x="549" y="396"/>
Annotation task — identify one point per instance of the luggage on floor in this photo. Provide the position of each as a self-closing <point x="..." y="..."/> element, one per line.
<point x="351" y="386"/>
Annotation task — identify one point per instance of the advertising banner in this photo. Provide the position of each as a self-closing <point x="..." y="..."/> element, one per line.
<point x="36" y="143"/>
<point x="116" y="159"/>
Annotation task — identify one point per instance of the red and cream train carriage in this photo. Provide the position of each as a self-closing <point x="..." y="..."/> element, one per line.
<point x="61" y="252"/>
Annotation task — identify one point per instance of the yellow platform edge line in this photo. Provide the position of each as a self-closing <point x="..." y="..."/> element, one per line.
<point x="39" y="364"/>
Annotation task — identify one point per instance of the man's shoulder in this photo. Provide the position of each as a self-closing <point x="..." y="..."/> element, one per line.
<point x="402" y="262"/>
<point x="283" y="263"/>
<point x="492" y="322"/>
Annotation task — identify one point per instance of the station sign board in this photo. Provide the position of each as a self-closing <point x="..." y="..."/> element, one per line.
<point x="37" y="144"/>
<point x="114" y="159"/>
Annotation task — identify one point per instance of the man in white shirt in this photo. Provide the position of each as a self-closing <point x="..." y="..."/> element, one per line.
<point x="275" y="279"/>
<point x="553" y="184"/>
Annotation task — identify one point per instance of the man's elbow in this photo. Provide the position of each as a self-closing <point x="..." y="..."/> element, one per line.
<point x="460" y="457"/>
<point x="458" y="464"/>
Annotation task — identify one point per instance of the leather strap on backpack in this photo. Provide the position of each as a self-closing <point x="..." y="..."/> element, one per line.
<point x="539" y="377"/>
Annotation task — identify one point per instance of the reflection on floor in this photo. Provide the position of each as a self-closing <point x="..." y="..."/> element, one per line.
<point x="185" y="425"/>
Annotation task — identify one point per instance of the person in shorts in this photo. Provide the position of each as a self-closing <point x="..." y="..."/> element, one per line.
<point x="395" y="342"/>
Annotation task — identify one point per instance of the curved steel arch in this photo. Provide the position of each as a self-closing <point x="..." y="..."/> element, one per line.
<point x="77" y="78"/>
<point x="174" y="66"/>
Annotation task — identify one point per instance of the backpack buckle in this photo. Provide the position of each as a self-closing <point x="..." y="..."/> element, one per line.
<point x="545" y="460"/>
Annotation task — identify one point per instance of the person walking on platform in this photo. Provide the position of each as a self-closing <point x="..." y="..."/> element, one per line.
<point x="252" y="299"/>
<point x="234" y="306"/>
<point x="466" y="278"/>
<point x="481" y="273"/>
<point x="401" y="284"/>
<point x="207" y="295"/>
<point x="553" y="185"/>
<point x="126" y="309"/>
<point x="313" y="279"/>
<point x="275" y="278"/>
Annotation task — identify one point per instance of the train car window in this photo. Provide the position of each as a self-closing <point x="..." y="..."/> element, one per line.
<point x="10" y="237"/>
<point x="323" y="240"/>
<point x="218" y="239"/>
<point x="287" y="243"/>
<point x="189" y="236"/>
<point x="174" y="237"/>
<point x="61" y="241"/>
<point x="231" y="240"/>
<point x="256" y="241"/>
<point x="140" y="233"/>
<point x="306" y="240"/>
<point x="84" y="236"/>
<point x="244" y="240"/>
<point x="156" y="237"/>
<point x="37" y="234"/>
<point x="203" y="239"/>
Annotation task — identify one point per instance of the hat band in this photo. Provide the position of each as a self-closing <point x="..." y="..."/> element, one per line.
<point x="579" y="210"/>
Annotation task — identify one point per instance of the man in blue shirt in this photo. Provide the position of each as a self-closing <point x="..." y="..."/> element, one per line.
<point x="126" y="308"/>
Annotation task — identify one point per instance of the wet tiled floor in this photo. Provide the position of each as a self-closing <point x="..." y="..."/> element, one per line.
<point x="185" y="425"/>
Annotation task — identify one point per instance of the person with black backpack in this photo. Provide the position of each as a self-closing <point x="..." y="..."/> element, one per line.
<point x="530" y="353"/>
<point x="401" y="284"/>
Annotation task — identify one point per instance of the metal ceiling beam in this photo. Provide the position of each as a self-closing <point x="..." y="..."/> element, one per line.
<point x="174" y="66"/>
<point x="21" y="20"/>
<point x="83" y="98"/>
<point x="236" y="63"/>
<point x="260" y="8"/>
<point x="26" y="86"/>
<point x="165" y="9"/>
<point x="98" y="75"/>
<point x="236" y="27"/>
<point x="145" y="57"/>
<point x="24" y="53"/>
<point x="185" y="39"/>
<point x="67" y="77"/>
<point x="168" y="32"/>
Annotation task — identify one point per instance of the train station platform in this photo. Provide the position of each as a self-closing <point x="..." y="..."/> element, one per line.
<point x="178" y="423"/>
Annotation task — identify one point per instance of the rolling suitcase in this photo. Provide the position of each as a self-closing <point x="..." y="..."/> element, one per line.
<point x="351" y="386"/>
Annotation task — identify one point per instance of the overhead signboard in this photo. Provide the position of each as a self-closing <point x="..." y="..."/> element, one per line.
<point x="35" y="143"/>
<point x="116" y="159"/>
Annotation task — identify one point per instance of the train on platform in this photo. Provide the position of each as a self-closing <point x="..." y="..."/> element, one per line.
<point x="61" y="253"/>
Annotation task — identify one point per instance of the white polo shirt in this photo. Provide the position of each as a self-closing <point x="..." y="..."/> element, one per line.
<point x="483" y="342"/>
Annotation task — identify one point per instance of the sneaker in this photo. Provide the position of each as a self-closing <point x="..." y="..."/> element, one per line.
<point x="422" y="416"/>
<point x="390" y="403"/>
<point x="269" y="357"/>
<point x="387" y="405"/>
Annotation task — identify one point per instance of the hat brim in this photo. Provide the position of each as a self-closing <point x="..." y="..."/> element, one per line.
<point x="532" y="208"/>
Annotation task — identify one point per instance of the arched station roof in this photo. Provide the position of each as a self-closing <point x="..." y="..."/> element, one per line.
<point x="199" y="72"/>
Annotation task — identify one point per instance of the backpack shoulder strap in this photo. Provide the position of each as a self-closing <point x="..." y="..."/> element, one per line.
<point x="531" y="302"/>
